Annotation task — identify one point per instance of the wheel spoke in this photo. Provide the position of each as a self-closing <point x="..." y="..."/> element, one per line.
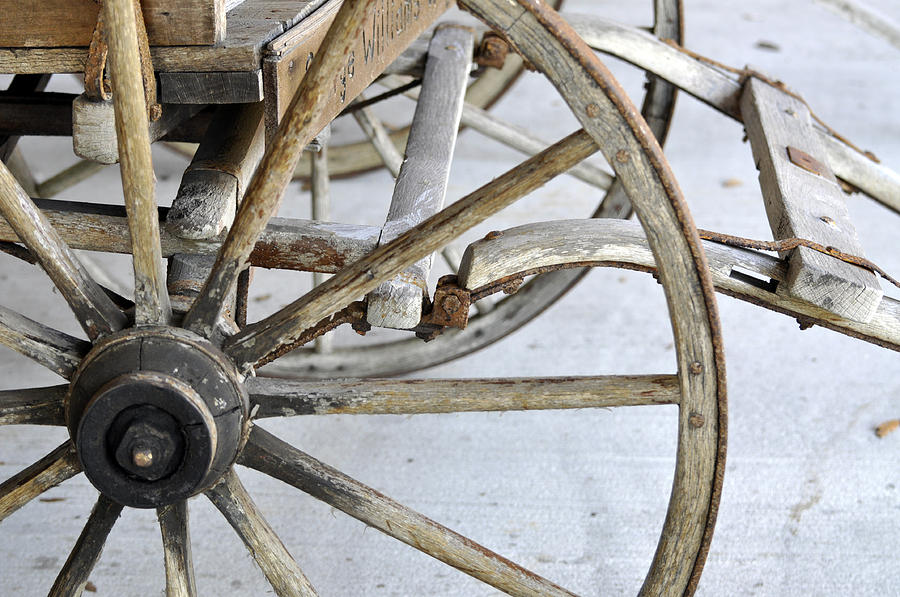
<point x="68" y="177"/>
<point x="274" y="174"/>
<point x="262" y="338"/>
<point x="320" y="182"/>
<point x="53" y="349"/>
<point x="48" y="472"/>
<point x="270" y="554"/>
<point x="268" y="454"/>
<point x="176" y="538"/>
<point x="380" y="139"/>
<point x="33" y="406"/>
<point x="283" y="398"/>
<point x="96" y="313"/>
<point x="84" y="556"/>
<point x="138" y="181"/>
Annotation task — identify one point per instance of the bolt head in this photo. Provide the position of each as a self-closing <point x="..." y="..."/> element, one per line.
<point x="150" y="448"/>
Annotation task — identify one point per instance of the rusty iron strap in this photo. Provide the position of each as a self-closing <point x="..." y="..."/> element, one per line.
<point x="96" y="79"/>
<point x="790" y="244"/>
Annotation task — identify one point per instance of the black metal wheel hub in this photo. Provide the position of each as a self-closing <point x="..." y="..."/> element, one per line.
<point x="157" y="415"/>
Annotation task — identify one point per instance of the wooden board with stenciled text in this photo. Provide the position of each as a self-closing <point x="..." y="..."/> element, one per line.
<point x="391" y="27"/>
<point x="69" y="23"/>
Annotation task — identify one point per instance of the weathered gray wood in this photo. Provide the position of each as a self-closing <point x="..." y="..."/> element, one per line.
<point x="285" y="243"/>
<point x="251" y="25"/>
<point x="48" y="472"/>
<point x="422" y="183"/>
<point x="59" y="352"/>
<point x="94" y="134"/>
<point x="516" y="137"/>
<point x="286" y="398"/>
<point x="95" y="311"/>
<point x="268" y="454"/>
<point x="257" y="340"/>
<point x="84" y="556"/>
<point x="218" y="174"/>
<point x="20" y="169"/>
<point x="380" y="139"/>
<point x="176" y="538"/>
<point x="611" y="243"/>
<point x="320" y="191"/>
<point x="275" y="172"/>
<point x="33" y="406"/>
<point x="602" y="107"/>
<point x="723" y="92"/>
<point x="270" y="554"/>
<point x="138" y="180"/>
<point x="803" y="204"/>
<point x="240" y="87"/>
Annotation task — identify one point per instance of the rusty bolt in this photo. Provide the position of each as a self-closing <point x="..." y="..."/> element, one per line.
<point x="148" y="450"/>
<point x="696" y="368"/>
<point x="696" y="420"/>
<point x="451" y="304"/>
<point x="492" y="51"/>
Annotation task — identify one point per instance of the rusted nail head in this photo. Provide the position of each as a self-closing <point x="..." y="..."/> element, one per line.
<point x="451" y="303"/>
<point x="696" y="368"/>
<point x="696" y="420"/>
<point x="622" y="156"/>
<point x="492" y="235"/>
<point x="593" y="110"/>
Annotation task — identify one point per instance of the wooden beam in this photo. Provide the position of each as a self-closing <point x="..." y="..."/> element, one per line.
<point x="422" y="182"/>
<point x="803" y="200"/>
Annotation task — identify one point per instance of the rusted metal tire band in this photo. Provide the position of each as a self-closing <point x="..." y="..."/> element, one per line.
<point x="609" y="117"/>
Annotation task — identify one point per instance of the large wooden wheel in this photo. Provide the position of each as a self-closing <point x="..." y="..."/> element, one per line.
<point x="490" y="321"/>
<point x="162" y="406"/>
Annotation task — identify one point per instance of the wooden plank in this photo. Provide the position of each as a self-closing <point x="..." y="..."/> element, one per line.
<point x="54" y="23"/>
<point x="285" y="243"/>
<point x="391" y="27"/>
<point x="218" y="174"/>
<point x="422" y="184"/>
<point x="94" y="127"/>
<point x="236" y="87"/>
<point x="801" y="203"/>
<point x="250" y="26"/>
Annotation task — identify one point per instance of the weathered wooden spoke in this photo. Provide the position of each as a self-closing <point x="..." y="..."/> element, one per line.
<point x="75" y="572"/>
<point x="33" y="406"/>
<point x="268" y="184"/>
<point x="53" y="349"/>
<point x="270" y="554"/>
<point x="95" y="311"/>
<point x="176" y="538"/>
<point x="138" y="181"/>
<point x="256" y="341"/>
<point x="380" y="139"/>
<point x="494" y="320"/>
<point x="268" y="454"/>
<point x="284" y="398"/>
<point x="48" y="472"/>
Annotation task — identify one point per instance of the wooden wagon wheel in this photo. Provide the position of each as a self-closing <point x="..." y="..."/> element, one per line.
<point x="159" y="412"/>
<point x="487" y="326"/>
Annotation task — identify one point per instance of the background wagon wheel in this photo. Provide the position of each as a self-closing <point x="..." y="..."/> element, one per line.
<point x="131" y="384"/>
<point x="493" y="322"/>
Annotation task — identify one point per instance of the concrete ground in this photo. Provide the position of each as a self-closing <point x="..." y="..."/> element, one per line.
<point x="811" y="504"/>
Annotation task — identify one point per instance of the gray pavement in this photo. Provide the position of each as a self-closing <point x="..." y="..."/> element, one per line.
<point x="811" y="504"/>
